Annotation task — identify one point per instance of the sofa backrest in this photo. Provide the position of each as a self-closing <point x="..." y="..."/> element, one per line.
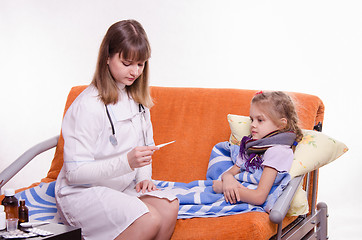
<point x="197" y="119"/>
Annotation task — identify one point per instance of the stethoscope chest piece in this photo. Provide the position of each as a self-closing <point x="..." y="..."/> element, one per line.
<point x="113" y="140"/>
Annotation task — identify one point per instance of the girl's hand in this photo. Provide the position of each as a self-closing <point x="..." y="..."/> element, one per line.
<point x="146" y="185"/>
<point x="217" y="186"/>
<point x="230" y="188"/>
<point x="141" y="156"/>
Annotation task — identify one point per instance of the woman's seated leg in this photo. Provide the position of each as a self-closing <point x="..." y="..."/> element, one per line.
<point x="158" y="223"/>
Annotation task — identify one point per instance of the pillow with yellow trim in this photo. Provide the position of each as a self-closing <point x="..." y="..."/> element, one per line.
<point x="299" y="204"/>
<point x="314" y="151"/>
<point x="240" y="127"/>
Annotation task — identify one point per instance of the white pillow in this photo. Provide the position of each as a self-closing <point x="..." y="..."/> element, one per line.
<point x="314" y="151"/>
<point x="239" y="126"/>
<point x="299" y="204"/>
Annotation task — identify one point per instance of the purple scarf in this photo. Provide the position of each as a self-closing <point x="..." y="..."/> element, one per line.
<point x="251" y="151"/>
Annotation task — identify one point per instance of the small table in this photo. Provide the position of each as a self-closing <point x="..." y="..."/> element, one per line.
<point x="61" y="232"/>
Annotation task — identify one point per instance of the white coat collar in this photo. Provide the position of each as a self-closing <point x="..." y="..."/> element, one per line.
<point x="124" y="109"/>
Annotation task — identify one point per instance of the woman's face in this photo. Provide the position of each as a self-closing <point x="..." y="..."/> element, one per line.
<point x="125" y="71"/>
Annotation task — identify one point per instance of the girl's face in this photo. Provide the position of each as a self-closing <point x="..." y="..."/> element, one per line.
<point x="261" y="124"/>
<point x="123" y="70"/>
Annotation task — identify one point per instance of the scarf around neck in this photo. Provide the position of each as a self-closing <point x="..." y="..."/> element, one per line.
<point x="251" y="151"/>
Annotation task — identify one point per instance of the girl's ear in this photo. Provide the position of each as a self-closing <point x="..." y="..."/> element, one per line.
<point x="283" y="123"/>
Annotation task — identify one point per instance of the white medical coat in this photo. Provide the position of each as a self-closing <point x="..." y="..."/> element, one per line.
<point x="96" y="174"/>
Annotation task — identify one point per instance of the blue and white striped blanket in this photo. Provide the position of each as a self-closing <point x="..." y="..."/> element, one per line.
<point x="40" y="201"/>
<point x="197" y="198"/>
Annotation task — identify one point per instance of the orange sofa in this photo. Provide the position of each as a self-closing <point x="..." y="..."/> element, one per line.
<point x="197" y="119"/>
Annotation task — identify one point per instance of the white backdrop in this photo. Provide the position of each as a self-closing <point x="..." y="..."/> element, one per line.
<point x="48" y="46"/>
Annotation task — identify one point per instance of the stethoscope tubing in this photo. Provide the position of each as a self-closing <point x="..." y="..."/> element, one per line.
<point x="110" y="121"/>
<point x="112" y="138"/>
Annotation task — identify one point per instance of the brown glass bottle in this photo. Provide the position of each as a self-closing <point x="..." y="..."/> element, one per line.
<point x="10" y="203"/>
<point x="23" y="212"/>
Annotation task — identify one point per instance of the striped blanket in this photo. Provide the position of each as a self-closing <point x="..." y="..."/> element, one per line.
<point x="40" y="201"/>
<point x="197" y="198"/>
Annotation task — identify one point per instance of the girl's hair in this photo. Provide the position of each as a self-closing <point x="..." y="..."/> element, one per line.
<point x="128" y="39"/>
<point x="277" y="105"/>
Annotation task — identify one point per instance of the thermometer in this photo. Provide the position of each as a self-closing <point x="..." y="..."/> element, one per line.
<point x="165" y="144"/>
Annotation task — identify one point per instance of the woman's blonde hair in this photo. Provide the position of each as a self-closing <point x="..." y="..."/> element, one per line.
<point x="277" y="105"/>
<point x="128" y="39"/>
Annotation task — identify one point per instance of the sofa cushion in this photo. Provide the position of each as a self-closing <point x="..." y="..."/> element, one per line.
<point x="246" y="226"/>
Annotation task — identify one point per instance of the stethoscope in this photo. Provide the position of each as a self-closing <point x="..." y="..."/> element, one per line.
<point x="113" y="139"/>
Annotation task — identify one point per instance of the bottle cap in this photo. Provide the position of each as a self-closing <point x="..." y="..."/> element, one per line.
<point x="2" y="209"/>
<point x="9" y="192"/>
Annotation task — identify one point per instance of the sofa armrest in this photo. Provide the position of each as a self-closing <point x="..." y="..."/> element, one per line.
<point x="282" y="205"/>
<point x="25" y="158"/>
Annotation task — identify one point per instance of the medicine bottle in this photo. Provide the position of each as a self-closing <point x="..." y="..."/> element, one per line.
<point x="23" y="212"/>
<point x="2" y="218"/>
<point x="10" y="203"/>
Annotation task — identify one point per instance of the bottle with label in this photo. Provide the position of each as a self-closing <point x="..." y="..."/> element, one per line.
<point x="23" y="212"/>
<point x="10" y="203"/>
<point x="2" y="218"/>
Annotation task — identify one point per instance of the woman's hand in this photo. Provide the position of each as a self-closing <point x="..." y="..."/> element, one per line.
<point x="146" y="185"/>
<point x="141" y="156"/>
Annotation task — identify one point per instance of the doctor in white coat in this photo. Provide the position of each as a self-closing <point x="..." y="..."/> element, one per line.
<point x="105" y="184"/>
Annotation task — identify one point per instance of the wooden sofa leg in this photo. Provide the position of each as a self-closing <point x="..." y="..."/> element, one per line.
<point x="322" y="229"/>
